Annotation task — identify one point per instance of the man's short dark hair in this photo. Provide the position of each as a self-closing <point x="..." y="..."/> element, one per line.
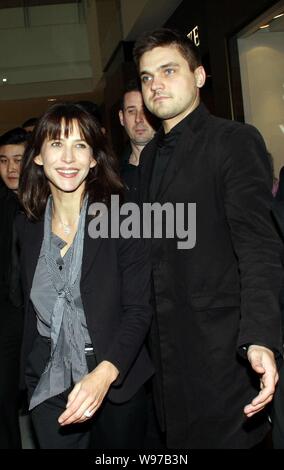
<point x="15" y="136"/>
<point x="167" y="37"/>
<point x="30" y="122"/>
<point x="132" y="85"/>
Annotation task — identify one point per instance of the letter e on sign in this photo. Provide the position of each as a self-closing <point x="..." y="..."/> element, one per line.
<point x="194" y="36"/>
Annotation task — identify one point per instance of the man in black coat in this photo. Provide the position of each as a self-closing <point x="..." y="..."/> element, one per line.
<point x="217" y="325"/>
<point x="12" y="146"/>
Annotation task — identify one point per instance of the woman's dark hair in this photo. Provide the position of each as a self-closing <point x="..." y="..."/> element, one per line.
<point x="102" y="181"/>
<point x="167" y="37"/>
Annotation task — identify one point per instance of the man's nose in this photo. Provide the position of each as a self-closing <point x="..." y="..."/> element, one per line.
<point x="139" y="116"/>
<point x="156" y="83"/>
<point x="12" y="166"/>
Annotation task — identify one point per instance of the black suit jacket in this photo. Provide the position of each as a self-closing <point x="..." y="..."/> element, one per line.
<point x="115" y="295"/>
<point x="9" y="206"/>
<point x="219" y="296"/>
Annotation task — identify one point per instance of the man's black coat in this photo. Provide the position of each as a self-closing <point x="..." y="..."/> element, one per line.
<point x="11" y="323"/>
<point x="221" y="295"/>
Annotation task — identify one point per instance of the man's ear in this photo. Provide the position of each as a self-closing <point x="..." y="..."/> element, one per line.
<point x="38" y="160"/>
<point x="200" y="76"/>
<point x="120" y="115"/>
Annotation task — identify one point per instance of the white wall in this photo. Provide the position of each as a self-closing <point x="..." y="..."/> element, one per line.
<point x="50" y="45"/>
<point x="262" y="74"/>
<point x="140" y="15"/>
<point x="109" y="28"/>
<point x="130" y="11"/>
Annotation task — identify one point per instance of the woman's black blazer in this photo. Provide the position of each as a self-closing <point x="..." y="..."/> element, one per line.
<point x="115" y="290"/>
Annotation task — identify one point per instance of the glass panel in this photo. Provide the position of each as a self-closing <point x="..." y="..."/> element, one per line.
<point x="261" y="56"/>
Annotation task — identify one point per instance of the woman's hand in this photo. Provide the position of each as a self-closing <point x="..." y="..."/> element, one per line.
<point x="88" y="394"/>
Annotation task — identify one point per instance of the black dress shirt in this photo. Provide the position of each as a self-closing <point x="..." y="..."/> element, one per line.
<point x="166" y="145"/>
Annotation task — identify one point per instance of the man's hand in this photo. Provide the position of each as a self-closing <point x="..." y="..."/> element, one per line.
<point x="263" y="362"/>
<point x="87" y="395"/>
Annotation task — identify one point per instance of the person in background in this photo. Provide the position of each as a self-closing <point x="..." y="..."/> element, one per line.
<point x="94" y="110"/>
<point x="275" y="181"/>
<point x="279" y="196"/>
<point x="12" y="147"/>
<point x="217" y="325"/>
<point x="275" y="186"/>
<point x="140" y="126"/>
<point x="30" y="124"/>
<point x="87" y="299"/>
<point x="278" y="402"/>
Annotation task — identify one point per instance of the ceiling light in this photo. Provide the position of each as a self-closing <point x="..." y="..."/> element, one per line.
<point x="264" y="26"/>
<point x="278" y="16"/>
<point x="4" y="79"/>
<point x="51" y="99"/>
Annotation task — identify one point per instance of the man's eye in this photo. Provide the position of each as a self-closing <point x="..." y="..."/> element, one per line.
<point x="3" y="161"/>
<point x="146" y="78"/>
<point x="169" y="71"/>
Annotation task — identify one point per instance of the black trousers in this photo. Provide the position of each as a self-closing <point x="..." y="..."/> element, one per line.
<point x="114" y="426"/>
<point x="10" y="342"/>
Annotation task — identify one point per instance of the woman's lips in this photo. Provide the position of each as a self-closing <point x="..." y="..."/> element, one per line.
<point x="70" y="173"/>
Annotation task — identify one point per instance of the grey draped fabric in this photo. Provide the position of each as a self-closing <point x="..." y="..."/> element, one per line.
<point x="67" y="362"/>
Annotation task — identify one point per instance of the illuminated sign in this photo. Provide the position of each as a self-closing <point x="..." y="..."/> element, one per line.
<point x="194" y="35"/>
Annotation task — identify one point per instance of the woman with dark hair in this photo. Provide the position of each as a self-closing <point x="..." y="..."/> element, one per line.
<point x="87" y="299"/>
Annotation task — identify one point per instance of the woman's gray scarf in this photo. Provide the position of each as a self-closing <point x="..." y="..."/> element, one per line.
<point x="67" y="363"/>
